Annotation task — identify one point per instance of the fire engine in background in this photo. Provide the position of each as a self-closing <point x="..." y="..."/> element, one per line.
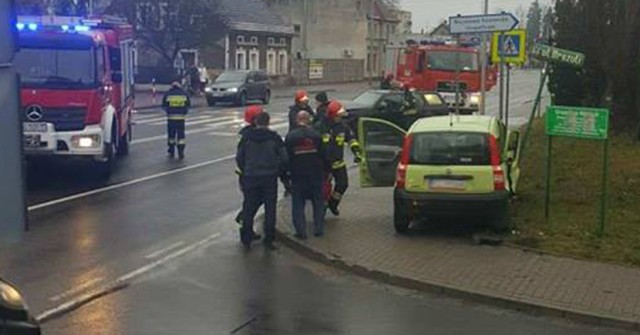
<point x="431" y="66"/>
<point x="76" y="87"/>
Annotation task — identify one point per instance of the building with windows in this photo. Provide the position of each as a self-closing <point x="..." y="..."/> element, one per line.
<point x="383" y="22"/>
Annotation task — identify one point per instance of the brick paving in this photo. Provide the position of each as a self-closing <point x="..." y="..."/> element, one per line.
<point x="363" y="236"/>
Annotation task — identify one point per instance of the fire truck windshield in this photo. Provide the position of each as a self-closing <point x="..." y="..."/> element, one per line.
<point x="56" y="68"/>
<point x="446" y="61"/>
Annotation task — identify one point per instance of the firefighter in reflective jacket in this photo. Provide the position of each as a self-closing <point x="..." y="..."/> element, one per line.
<point x="339" y="134"/>
<point x="176" y="103"/>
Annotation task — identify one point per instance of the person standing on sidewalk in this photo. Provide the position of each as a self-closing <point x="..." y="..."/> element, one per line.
<point x="176" y="103"/>
<point x="261" y="158"/>
<point x="339" y="135"/>
<point x="307" y="165"/>
<point x="320" y="121"/>
<point x="301" y="104"/>
<point x="250" y="115"/>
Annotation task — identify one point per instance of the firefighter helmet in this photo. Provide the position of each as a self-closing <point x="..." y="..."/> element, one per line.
<point x="251" y="112"/>
<point x="301" y="96"/>
<point x="335" y="109"/>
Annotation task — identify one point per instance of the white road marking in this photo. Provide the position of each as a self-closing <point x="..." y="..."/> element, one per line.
<point x="123" y="280"/>
<point x="76" y="289"/>
<point x="164" y="250"/>
<point x="208" y="127"/>
<point x="128" y="183"/>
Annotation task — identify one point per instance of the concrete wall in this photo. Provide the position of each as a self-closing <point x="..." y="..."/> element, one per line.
<point x="329" y="27"/>
<point x="334" y="71"/>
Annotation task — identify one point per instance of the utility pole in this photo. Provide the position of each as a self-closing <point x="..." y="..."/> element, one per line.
<point x="483" y="65"/>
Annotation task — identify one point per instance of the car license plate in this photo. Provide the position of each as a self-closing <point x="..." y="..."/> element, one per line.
<point x="32" y="141"/>
<point x="35" y="127"/>
<point x="216" y="94"/>
<point x="446" y="184"/>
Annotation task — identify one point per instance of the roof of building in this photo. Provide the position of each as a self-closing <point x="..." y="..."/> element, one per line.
<point x="383" y="10"/>
<point x="441" y="30"/>
<point x="252" y="15"/>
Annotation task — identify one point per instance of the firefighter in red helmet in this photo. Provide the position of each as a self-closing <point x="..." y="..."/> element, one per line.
<point x="335" y="140"/>
<point x="301" y="104"/>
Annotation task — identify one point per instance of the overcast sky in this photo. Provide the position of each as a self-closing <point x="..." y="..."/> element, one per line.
<point x="429" y="13"/>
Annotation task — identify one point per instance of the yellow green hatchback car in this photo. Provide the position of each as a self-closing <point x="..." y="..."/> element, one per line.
<point x="444" y="166"/>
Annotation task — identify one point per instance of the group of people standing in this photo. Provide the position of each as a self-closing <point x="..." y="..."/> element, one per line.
<point x="309" y="162"/>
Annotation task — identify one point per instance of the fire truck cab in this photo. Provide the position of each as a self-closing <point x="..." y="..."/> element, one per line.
<point x="432" y="66"/>
<point x="77" y="87"/>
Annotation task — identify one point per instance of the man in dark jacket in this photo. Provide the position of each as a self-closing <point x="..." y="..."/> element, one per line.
<point x="307" y="164"/>
<point x="320" y="121"/>
<point x="176" y="104"/>
<point x="301" y="104"/>
<point x="261" y="159"/>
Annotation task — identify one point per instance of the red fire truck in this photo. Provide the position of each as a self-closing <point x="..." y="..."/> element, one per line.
<point x="431" y="66"/>
<point x="76" y="87"/>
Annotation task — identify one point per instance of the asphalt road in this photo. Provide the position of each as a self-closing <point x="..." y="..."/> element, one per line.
<point x="160" y="237"/>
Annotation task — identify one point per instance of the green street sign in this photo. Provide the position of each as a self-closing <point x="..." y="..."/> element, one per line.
<point x="557" y="55"/>
<point x="579" y="122"/>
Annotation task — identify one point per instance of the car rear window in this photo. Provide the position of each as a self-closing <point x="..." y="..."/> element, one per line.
<point x="450" y="148"/>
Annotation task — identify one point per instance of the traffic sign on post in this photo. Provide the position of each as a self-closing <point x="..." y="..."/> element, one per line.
<point x="557" y="55"/>
<point x="474" y="24"/>
<point x="509" y="47"/>
<point x="580" y="122"/>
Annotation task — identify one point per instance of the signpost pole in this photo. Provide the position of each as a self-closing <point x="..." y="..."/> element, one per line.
<point x="535" y="107"/>
<point x="501" y="53"/>
<point x="506" y="102"/>
<point x="547" y="197"/>
<point x="458" y="78"/>
<point x="603" y="193"/>
<point x="483" y="64"/>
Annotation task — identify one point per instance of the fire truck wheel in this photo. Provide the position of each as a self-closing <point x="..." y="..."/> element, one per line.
<point x="123" y="145"/>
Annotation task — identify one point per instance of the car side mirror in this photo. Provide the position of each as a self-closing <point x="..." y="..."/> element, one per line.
<point x="116" y="78"/>
<point x="513" y="145"/>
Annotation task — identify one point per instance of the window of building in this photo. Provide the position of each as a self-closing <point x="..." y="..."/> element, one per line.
<point x="241" y="59"/>
<point x="283" y="63"/>
<point x="283" y="41"/>
<point x="254" y="40"/>
<point x="240" y="39"/>
<point x="271" y="62"/>
<point x="271" y="41"/>
<point x="297" y="28"/>
<point x="254" y="59"/>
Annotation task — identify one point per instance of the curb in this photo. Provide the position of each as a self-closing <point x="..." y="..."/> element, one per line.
<point x="539" y="309"/>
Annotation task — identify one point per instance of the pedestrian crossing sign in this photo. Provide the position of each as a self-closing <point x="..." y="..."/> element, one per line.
<point x="509" y="46"/>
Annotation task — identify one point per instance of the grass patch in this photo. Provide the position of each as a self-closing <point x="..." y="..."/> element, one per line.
<point x="575" y="198"/>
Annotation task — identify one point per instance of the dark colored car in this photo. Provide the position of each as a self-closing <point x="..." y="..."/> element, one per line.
<point x="399" y="107"/>
<point x="14" y="316"/>
<point x="239" y="87"/>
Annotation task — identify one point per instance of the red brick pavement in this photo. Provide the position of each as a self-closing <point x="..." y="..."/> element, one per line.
<point x="363" y="239"/>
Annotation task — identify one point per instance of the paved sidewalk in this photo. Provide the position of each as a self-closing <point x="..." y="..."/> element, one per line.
<point x="363" y="240"/>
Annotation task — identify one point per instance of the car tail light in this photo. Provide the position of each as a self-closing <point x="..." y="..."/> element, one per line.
<point x="496" y="164"/>
<point x="401" y="175"/>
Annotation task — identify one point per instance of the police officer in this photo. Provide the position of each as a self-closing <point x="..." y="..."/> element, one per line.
<point x="307" y="165"/>
<point x="261" y="158"/>
<point x="176" y="103"/>
<point x="339" y="134"/>
<point x="301" y="104"/>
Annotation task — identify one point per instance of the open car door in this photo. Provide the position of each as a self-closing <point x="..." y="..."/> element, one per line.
<point x="512" y="160"/>
<point x="381" y="143"/>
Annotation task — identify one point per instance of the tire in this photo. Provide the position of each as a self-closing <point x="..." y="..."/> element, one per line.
<point x="401" y="220"/>
<point x="501" y="223"/>
<point x="242" y="99"/>
<point x="211" y="102"/>
<point x="105" y="168"/>
<point x="125" y="140"/>
<point x="267" y="98"/>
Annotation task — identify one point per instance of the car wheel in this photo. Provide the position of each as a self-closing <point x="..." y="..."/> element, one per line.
<point x="242" y="100"/>
<point x="211" y="102"/>
<point x="401" y="220"/>
<point x="267" y="97"/>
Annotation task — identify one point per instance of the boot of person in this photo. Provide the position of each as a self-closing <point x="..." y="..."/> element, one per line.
<point x="171" y="151"/>
<point x="333" y="206"/>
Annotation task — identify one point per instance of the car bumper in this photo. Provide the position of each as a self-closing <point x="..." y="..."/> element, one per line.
<point x="489" y="205"/>
<point x="222" y="96"/>
<point x="51" y="142"/>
